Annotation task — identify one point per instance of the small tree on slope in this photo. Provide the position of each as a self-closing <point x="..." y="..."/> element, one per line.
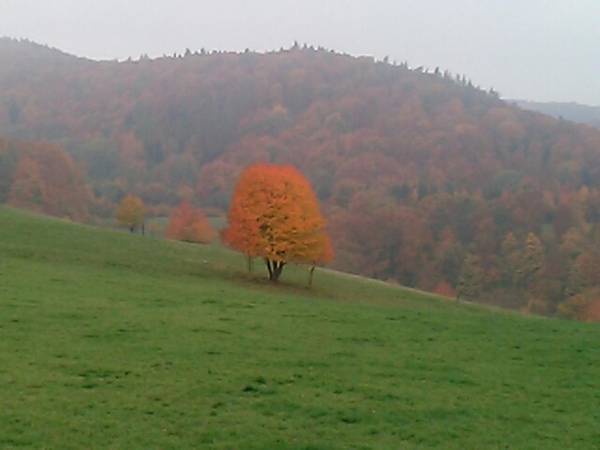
<point x="189" y="224"/>
<point x="131" y="213"/>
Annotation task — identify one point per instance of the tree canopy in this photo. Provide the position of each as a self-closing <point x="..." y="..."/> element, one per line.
<point x="275" y="215"/>
<point x="131" y="212"/>
<point x="189" y="224"/>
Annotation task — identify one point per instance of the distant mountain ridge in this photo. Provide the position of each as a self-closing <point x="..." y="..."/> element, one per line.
<point x="575" y="112"/>
<point x="20" y="49"/>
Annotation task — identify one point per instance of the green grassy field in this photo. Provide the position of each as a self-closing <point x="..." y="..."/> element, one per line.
<point x="115" y="341"/>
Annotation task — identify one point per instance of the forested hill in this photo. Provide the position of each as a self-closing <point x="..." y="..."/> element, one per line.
<point x="425" y="179"/>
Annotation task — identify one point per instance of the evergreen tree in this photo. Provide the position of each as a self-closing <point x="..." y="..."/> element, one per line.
<point x="470" y="283"/>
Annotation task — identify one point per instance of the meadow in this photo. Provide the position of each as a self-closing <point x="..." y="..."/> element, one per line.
<point x="112" y="340"/>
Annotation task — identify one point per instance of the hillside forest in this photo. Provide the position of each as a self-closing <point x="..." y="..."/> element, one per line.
<point x="424" y="179"/>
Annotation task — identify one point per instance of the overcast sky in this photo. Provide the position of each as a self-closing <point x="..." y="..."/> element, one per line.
<point x="531" y="49"/>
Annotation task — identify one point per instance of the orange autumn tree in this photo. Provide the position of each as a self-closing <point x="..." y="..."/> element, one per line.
<point x="275" y="215"/>
<point x="131" y="213"/>
<point x="189" y="224"/>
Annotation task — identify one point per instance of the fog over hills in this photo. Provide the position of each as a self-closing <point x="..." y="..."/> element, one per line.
<point x="574" y="112"/>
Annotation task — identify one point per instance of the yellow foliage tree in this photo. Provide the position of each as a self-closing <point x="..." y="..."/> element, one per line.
<point x="131" y="213"/>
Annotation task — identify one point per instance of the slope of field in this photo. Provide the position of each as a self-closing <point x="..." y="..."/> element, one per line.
<point x="116" y="341"/>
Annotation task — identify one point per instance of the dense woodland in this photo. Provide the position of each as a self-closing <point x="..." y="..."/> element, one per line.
<point x="424" y="178"/>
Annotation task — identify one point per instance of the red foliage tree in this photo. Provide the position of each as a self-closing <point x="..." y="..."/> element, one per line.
<point x="189" y="224"/>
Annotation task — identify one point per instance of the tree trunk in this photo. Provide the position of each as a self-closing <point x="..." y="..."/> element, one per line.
<point x="311" y="271"/>
<point x="275" y="269"/>
<point x="269" y="268"/>
<point x="280" y="270"/>
<point x="250" y="264"/>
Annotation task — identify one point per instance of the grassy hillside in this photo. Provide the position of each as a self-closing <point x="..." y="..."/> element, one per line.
<point x="115" y="341"/>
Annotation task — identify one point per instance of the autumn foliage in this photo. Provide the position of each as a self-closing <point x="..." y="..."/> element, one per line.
<point x="427" y="180"/>
<point x="131" y="213"/>
<point x="275" y="215"/>
<point x="189" y="224"/>
<point x="42" y="177"/>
